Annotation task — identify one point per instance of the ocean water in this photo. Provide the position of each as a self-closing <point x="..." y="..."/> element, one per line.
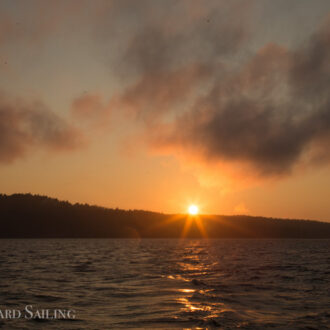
<point x="151" y="284"/>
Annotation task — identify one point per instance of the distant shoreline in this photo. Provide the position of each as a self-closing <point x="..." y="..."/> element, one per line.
<point x="33" y="216"/>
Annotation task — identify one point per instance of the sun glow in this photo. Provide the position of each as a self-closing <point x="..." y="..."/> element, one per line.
<point x="193" y="209"/>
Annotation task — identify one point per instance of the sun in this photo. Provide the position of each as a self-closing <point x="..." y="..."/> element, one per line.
<point x="193" y="209"/>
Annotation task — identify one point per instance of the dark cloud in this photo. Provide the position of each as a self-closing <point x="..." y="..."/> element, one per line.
<point x="24" y="127"/>
<point x="310" y="72"/>
<point x="188" y="72"/>
<point x="178" y="33"/>
<point x="273" y="113"/>
<point x="167" y="51"/>
<point x="159" y="93"/>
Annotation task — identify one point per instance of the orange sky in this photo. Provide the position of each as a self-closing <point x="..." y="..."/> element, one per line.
<point x="156" y="105"/>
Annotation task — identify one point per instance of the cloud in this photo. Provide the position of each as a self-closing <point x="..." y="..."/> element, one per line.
<point x="190" y="77"/>
<point x="273" y="113"/>
<point x="25" y="127"/>
<point x="168" y="50"/>
<point x="157" y="94"/>
<point x="173" y="34"/>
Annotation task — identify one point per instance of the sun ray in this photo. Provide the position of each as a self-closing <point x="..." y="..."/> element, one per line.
<point x="187" y="222"/>
<point x="186" y="227"/>
<point x="200" y="226"/>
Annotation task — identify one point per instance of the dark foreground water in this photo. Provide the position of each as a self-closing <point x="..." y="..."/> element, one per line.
<point x="111" y="284"/>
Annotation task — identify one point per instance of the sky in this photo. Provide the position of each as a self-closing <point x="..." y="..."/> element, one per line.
<point x="159" y="104"/>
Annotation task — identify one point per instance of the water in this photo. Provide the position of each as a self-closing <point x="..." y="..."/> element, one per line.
<point x="111" y="284"/>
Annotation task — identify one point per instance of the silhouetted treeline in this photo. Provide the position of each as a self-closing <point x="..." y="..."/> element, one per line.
<point x="33" y="216"/>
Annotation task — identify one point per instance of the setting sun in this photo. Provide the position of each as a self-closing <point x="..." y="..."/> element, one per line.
<point x="193" y="209"/>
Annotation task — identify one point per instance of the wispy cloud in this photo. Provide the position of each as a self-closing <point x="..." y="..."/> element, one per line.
<point x="188" y="74"/>
<point x="198" y="94"/>
<point x="26" y="126"/>
<point x="273" y="113"/>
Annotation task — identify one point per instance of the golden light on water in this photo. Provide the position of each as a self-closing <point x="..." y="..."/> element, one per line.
<point x="193" y="209"/>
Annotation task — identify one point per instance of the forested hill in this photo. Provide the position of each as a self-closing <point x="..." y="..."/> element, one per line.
<point x="33" y="216"/>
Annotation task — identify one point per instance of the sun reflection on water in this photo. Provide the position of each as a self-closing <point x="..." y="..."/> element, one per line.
<point x="186" y="290"/>
<point x="193" y="307"/>
<point x="192" y="293"/>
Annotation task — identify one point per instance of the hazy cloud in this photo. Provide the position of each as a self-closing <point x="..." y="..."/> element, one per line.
<point x="167" y="51"/>
<point x="187" y="71"/>
<point x="272" y="113"/>
<point x="188" y="74"/>
<point x="159" y="93"/>
<point x="24" y="127"/>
